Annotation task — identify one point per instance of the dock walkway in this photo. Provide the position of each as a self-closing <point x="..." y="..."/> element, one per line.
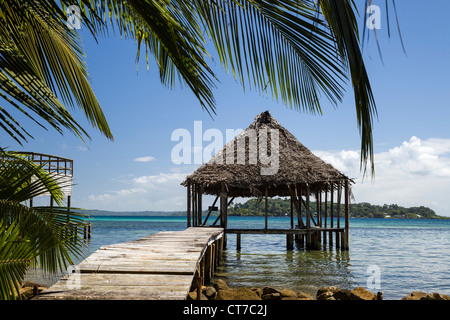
<point x="162" y="266"/>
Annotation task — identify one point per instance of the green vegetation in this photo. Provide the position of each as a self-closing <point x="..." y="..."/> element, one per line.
<point x="281" y="207"/>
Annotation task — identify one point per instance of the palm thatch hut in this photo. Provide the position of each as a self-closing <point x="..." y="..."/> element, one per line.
<point x="266" y="160"/>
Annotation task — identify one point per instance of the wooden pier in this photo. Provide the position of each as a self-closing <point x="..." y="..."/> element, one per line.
<point x="162" y="266"/>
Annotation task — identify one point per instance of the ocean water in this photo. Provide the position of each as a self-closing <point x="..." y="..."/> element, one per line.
<point x="393" y="256"/>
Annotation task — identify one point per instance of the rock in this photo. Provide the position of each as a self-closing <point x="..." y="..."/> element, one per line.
<point x="237" y="294"/>
<point x="361" y="293"/>
<point x="331" y="289"/>
<point x="415" y="295"/>
<point x="258" y="291"/>
<point x="343" y="294"/>
<point x="269" y="290"/>
<point x="221" y="285"/>
<point x="327" y="295"/>
<point x="288" y="293"/>
<point x="210" y="292"/>
<point x="435" y="296"/>
<point x="304" y="296"/>
<point x="271" y="296"/>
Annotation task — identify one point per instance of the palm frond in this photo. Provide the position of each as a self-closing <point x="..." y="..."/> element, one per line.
<point x="15" y="257"/>
<point x="42" y="63"/>
<point x="342" y="21"/>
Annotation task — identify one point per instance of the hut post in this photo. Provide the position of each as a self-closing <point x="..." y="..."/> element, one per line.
<point x="223" y="212"/>
<point x="194" y="205"/>
<point x="319" y="208"/>
<point x="292" y="212"/>
<point x="188" y="204"/>
<point x="265" y="211"/>
<point x="199" y="204"/>
<point x="319" y="213"/>
<point x="338" y="222"/>
<point x="308" y="218"/>
<point x="326" y="216"/>
<point x="331" y="213"/>
<point x="299" y="215"/>
<point x="347" y="213"/>
<point x="308" y="209"/>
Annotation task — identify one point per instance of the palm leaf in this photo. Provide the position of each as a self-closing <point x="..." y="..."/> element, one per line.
<point x="41" y="59"/>
<point x="340" y="17"/>
<point x="15" y="257"/>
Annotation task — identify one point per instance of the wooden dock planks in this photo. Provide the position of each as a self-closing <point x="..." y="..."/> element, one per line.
<point x="158" y="267"/>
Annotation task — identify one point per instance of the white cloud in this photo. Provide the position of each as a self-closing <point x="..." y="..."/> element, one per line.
<point x="414" y="173"/>
<point x="145" y="159"/>
<point x="162" y="192"/>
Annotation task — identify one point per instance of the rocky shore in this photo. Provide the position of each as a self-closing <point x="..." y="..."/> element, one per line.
<point x="221" y="291"/>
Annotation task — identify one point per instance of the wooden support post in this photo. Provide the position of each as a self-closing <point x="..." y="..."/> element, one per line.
<point x="188" y="204"/>
<point x="315" y="240"/>
<point x="199" y="285"/>
<point x="308" y="210"/>
<point x="223" y="207"/>
<point x="296" y="204"/>
<point x="347" y="214"/>
<point x="319" y="208"/>
<point x="265" y="211"/>
<point x="338" y="242"/>
<point x="292" y="213"/>
<point x="331" y="213"/>
<point x="325" y="235"/>
<point x="238" y="241"/>
<point x="213" y="257"/>
<point x="194" y="205"/>
<point x="208" y="264"/>
<point x="339" y="194"/>
<point x="319" y="213"/>
<point x="199" y="204"/>
<point x="299" y="213"/>
<point x="219" y="250"/>
<point x="289" y="241"/>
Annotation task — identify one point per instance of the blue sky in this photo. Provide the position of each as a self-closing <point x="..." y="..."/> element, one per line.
<point x="411" y="135"/>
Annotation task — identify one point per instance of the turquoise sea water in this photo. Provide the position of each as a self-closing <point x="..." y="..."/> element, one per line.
<point x="406" y="255"/>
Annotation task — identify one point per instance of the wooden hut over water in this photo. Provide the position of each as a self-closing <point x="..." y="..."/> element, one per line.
<point x="266" y="160"/>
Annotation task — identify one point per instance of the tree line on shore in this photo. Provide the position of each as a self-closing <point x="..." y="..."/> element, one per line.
<point x="281" y="207"/>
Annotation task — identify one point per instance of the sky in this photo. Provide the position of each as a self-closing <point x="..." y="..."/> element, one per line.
<point x="135" y="172"/>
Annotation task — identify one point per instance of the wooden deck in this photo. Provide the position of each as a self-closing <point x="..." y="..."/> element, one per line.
<point x="161" y="266"/>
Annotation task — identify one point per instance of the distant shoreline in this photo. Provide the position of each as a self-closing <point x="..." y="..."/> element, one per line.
<point x="278" y="207"/>
<point x="104" y="213"/>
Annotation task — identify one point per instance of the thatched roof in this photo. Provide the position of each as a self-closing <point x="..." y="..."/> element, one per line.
<point x="296" y="165"/>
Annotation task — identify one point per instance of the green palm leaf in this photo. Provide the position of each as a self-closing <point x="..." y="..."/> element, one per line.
<point x="42" y="67"/>
<point x="52" y="236"/>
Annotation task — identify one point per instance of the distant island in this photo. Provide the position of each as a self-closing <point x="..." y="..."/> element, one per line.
<point x="281" y="207"/>
<point x="278" y="207"/>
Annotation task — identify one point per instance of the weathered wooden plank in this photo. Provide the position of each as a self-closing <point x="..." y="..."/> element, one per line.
<point x="159" y="266"/>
